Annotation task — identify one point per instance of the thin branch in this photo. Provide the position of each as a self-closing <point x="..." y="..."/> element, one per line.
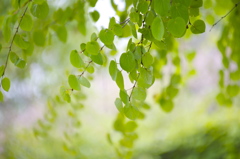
<point x="134" y="85"/>
<point x="235" y="6"/>
<point x="11" y="44"/>
<point x="85" y="68"/>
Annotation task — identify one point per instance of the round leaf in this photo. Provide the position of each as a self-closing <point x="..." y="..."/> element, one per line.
<point x="26" y="23"/>
<point x="106" y="36"/>
<point x="6" y="83"/>
<point x="92" y="48"/>
<point x="157" y="28"/>
<point x="127" y="61"/>
<point x="73" y="82"/>
<point x="147" y="60"/>
<point x="40" y="10"/>
<point x="131" y="112"/>
<point x="76" y="59"/>
<point x="198" y="27"/>
<point x="177" y="27"/>
<point x="139" y="93"/>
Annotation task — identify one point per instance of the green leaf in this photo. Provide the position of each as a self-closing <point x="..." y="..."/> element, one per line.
<point x="157" y="28"/>
<point x="0" y="47"/>
<point x="119" y="105"/>
<point x="61" y="33"/>
<point x="134" y="17"/>
<point x="198" y="27"/>
<point x="117" y="29"/>
<point x="95" y="15"/>
<point x="139" y="93"/>
<point x="84" y="81"/>
<point x="171" y="91"/>
<point x="133" y="29"/>
<point x="119" y="80"/>
<point x="232" y="90"/>
<point x="73" y="82"/>
<point x="92" y="2"/>
<point x="7" y="30"/>
<point x="147" y="60"/>
<point x="131" y="112"/>
<point x="124" y="96"/>
<point x="177" y="27"/>
<point x="76" y="59"/>
<point x="26" y="23"/>
<point x="130" y="126"/>
<point x="13" y="57"/>
<point x="112" y="22"/>
<point x="40" y="10"/>
<point x="180" y="10"/>
<point x="162" y="7"/>
<point x="1" y="97"/>
<point x="21" y="63"/>
<point x="39" y="38"/>
<point x="6" y="83"/>
<point x="20" y="42"/>
<point x="146" y="78"/>
<point x="127" y="61"/>
<point x="92" y="47"/>
<point x="106" y="36"/>
<point x="142" y="6"/>
<point x="98" y="59"/>
<point x="1" y="70"/>
<point x="113" y="70"/>
<point x="65" y="94"/>
<point x="166" y="104"/>
<point x="196" y="3"/>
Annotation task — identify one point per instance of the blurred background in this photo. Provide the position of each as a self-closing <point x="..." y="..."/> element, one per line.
<point x="34" y="126"/>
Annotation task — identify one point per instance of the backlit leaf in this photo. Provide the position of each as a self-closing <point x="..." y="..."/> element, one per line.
<point x="162" y="7"/>
<point x="198" y="27"/>
<point x="131" y="112"/>
<point x="39" y="38"/>
<point x="40" y="10"/>
<point x="26" y="23"/>
<point x="92" y="48"/>
<point x="147" y="60"/>
<point x="73" y="82"/>
<point x="119" y="80"/>
<point x="177" y="27"/>
<point x="76" y="59"/>
<point x="119" y="105"/>
<point x="139" y="93"/>
<point x="84" y="81"/>
<point x="6" y="83"/>
<point x="157" y="28"/>
<point x="106" y="36"/>
<point x="127" y="61"/>
<point x="113" y="70"/>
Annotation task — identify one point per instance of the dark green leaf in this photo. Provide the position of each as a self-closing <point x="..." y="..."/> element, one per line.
<point x="95" y="15"/>
<point x="198" y="27"/>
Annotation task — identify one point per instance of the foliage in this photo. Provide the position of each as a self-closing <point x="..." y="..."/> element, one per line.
<point x="152" y="28"/>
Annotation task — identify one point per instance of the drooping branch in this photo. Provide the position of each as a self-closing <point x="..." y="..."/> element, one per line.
<point x="11" y="43"/>
<point x="235" y="6"/>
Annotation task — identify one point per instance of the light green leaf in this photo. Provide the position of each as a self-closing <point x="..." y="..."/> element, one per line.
<point x="147" y="60"/>
<point x="157" y="28"/>
<point x="7" y="29"/>
<point x="119" y="105"/>
<point x="106" y="36"/>
<point x="150" y="17"/>
<point x="133" y="29"/>
<point x="134" y="17"/>
<point x="21" y="63"/>
<point x="146" y="78"/>
<point x="95" y="15"/>
<point x="1" y="97"/>
<point x="124" y="96"/>
<point x="166" y="104"/>
<point x="139" y="93"/>
<point x="142" y="6"/>
<point x="90" y="69"/>
<point x="171" y="91"/>
<point x="112" y="22"/>
<point x="113" y="70"/>
<point x="131" y="112"/>
<point x="92" y="48"/>
<point x="39" y="38"/>
<point x="117" y="29"/>
<point x="127" y="61"/>
<point x="61" y="33"/>
<point x="84" y="81"/>
<point x="162" y="7"/>
<point x="76" y="59"/>
<point x="232" y="90"/>
<point x="94" y="37"/>
<point x="6" y="83"/>
<point x="119" y="80"/>
<point x="13" y="57"/>
<point x="40" y="10"/>
<point x="198" y="27"/>
<point x="65" y="94"/>
<point x="20" y="42"/>
<point x="180" y="10"/>
<point x="98" y="59"/>
<point x="73" y="82"/>
<point x="177" y="27"/>
<point x="26" y="23"/>
<point x="1" y="70"/>
<point x="130" y="126"/>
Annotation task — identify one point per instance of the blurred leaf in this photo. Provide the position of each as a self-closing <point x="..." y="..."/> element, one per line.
<point x="84" y="81"/>
<point x="6" y="83"/>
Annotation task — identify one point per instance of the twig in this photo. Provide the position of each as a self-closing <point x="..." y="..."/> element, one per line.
<point x="10" y="47"/>
<point x="134" y="85"/>
<point x="235" y="6"/>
